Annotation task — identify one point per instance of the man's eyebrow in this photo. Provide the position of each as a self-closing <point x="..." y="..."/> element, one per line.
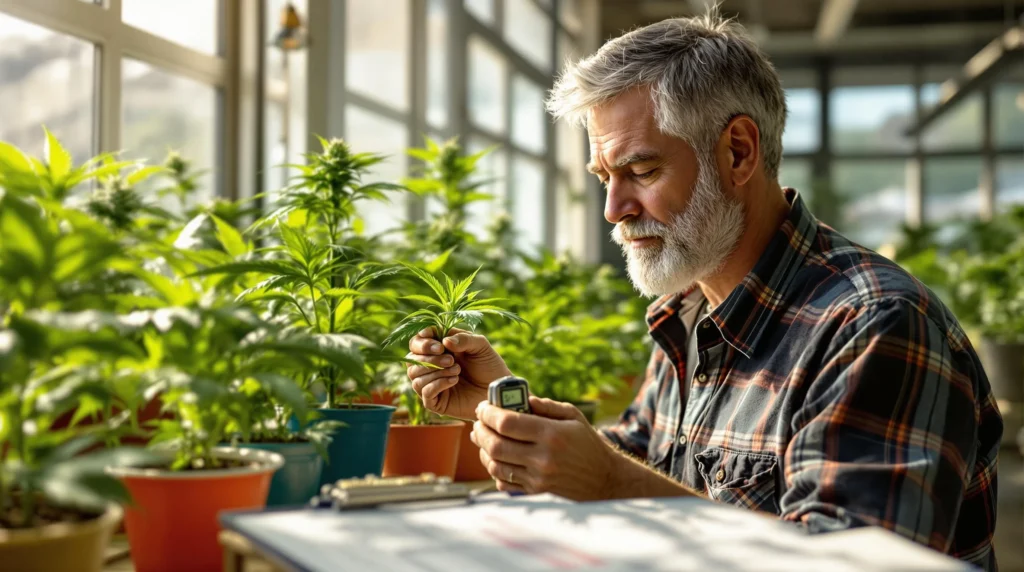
<point x="639" y="157"/>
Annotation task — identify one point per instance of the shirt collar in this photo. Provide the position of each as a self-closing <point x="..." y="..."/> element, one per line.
<point x="749" y="309"/>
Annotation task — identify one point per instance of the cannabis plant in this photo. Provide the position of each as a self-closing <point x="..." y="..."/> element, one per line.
<point x="453" y="304"/>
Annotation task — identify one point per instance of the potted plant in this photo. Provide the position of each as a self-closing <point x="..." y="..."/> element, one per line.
<point x="317" y="276"/>
<point x="424" y="444"/>
<point x="57" y="506"/>
<point x="208" y="363"/>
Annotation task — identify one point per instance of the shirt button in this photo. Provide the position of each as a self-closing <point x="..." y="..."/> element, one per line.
<point x="682" y="439"/>
<point x="709" y="307"/>
<point x="702" y="378"/>
<point x="706" y="324"/>
<point x="720" y="475"/>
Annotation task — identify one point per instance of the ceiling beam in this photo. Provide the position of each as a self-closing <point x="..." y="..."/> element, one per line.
<point x="979" y="71"/>
<point x="834" y="19"/>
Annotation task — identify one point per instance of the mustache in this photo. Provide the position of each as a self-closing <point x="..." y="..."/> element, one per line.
<point x="632" y="229"/>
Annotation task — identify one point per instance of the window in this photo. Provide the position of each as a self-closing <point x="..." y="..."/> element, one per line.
<point x="871" y="197"/>
<point x="371" y="133"/>
<point x="1008" y="111"/>
<point x="493" y="167"/>
<point x="568" y="51"/>
<point x="528" y="115"/>
<point x="871" y="109"/>
<point x="528" y="31"/>
<point x="482" y="10"/>
<point x="959" y="127"/>
<point x="797" y="173"/>
<point x="1009" y="182"/>
<point x="487" y="81"/>
<point x="286" y="86"/>
<point x="569" y="13"/>
<point x="47" y="79"/>
<point x="437" y="64"/>
<point x="528" y="207"/>
<point x="803" y="126"/>
<point x="163" y="112"/>
<point x="377" y="51"/>
<point x="951" y="188"/>
<point x="191" y="23"/>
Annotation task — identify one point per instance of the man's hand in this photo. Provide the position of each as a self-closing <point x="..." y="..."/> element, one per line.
<point x="554" y="450"/>
<point x="469" y="364"/>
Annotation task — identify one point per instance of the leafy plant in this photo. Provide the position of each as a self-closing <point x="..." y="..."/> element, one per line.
<point x="453" y="305"/>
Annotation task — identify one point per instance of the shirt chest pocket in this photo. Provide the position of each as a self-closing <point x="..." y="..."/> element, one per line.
<point x="743" y="479"/>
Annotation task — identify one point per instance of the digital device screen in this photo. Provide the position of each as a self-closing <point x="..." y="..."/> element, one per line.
<point x="512" y="397"/>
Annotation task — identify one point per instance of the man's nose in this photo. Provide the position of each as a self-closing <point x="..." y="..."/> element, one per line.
<point x="620" y="203"/>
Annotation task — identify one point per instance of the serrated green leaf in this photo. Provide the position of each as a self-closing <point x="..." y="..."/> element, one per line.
<point x="260" y="266"/>
<point x="230" y="238"/>
<point x="423" y="299"/>
<point x="57" y="158"/>
<point x="439" y="261"/>
<point x="140" y="175"/>
<point x="429" y="280"/>
<point x="284" y="390"/>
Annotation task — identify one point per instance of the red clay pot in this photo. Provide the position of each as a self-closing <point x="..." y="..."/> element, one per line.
<point x="173" y="523"/>
<point x="469" y="467"/>
<point x="417" y="449"/>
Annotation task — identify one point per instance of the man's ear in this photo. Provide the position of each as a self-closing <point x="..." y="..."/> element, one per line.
<point x="740" y="150"/>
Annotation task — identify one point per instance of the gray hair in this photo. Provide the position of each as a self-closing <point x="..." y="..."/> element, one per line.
<point x="702" y="72"/>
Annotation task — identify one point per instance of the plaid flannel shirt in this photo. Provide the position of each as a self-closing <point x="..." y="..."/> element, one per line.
<point x="833" y="390"/>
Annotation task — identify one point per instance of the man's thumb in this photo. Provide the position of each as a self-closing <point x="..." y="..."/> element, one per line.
<point x="464" y="342"/>
<point x="555" y="409"/>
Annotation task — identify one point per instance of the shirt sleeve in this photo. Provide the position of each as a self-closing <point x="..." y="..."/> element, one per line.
<point x="887" y="432"/>
<point x="632" y="433"/>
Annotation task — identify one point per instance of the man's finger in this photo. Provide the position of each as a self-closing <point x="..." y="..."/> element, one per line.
<point x="422" y="345"/>
<point x="432" y="390"/>
<point x="415" y="370"/>
<point x="500" y="448"/>
<point x="519" y="426"/>
<point x="504" y="475"/>
<point x="555" y="409"/>
<point x="420" y="382"/>
<point x="464" y="342"/>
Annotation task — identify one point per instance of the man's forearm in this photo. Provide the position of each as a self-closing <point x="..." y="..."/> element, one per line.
<point x="632" y="479"/>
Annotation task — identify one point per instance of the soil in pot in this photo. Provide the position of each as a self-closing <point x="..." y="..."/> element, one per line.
<point x="469" y="467"/>
<point x="417" y="449"/>
<point x="61" y="540"/>
<point x="173" y="524"/>
<point x="357" y="449"/>
<point x="299" y="479"/>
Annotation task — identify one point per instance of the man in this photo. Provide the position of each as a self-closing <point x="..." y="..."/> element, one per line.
<point x="794" y="372"/>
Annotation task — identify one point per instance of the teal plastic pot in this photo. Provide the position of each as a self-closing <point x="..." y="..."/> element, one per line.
<point x="357" y="449"/>
<point x="299" y="479"/>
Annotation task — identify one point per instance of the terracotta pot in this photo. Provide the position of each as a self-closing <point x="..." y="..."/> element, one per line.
<point x="379" y="397"/>
<point x="60" y="546"/>
<point x="417" y="449"/>
<point x="469" y="467"/>
<point x="173" y="523"/>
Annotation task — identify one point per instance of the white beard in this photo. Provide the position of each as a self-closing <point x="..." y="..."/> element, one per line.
<point x="693" y="246"/>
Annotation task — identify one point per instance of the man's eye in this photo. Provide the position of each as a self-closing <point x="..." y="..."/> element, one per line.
<point x="646" y="175"/>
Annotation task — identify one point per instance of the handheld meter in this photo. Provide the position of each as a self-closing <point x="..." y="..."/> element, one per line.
<point x="510" y="392"/>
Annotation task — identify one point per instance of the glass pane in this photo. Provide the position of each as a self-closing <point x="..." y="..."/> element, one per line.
<point x="286" y="86"/>
<point x="958" y="128"/>
<point x="569" y="13"/>
<point x="528" y="202"/>
<point x="160" y="112"/>
<point x="798" y="173"/>
<point x="568" y="51"/>
<point x="951" y="188"/>
<point x="1009" y="182"/>
<point x="1008" y="114"/>
<point x="191" y="23"/>
<point x="570" y="224"/>
<point x="492" y="167"/>
<point x="871" y="198"/>
<point x="871" y="117"/>
<point x="483" y="10"/>
<point x="528" y="116"/>
<point x="37" y="61"/>
<point x="370" y="133"/>
<point x="377" y="50"/>
<point x="572" y="149"/>
<point x="803" y="126"/>
<point x="528" y="31"/>
<point x="487" y="77"/>
<point x="437" y="63"/>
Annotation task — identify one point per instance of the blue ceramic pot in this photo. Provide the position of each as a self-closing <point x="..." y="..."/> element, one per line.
<point x="357" y="449"/>
<point x="299" y="479"/>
